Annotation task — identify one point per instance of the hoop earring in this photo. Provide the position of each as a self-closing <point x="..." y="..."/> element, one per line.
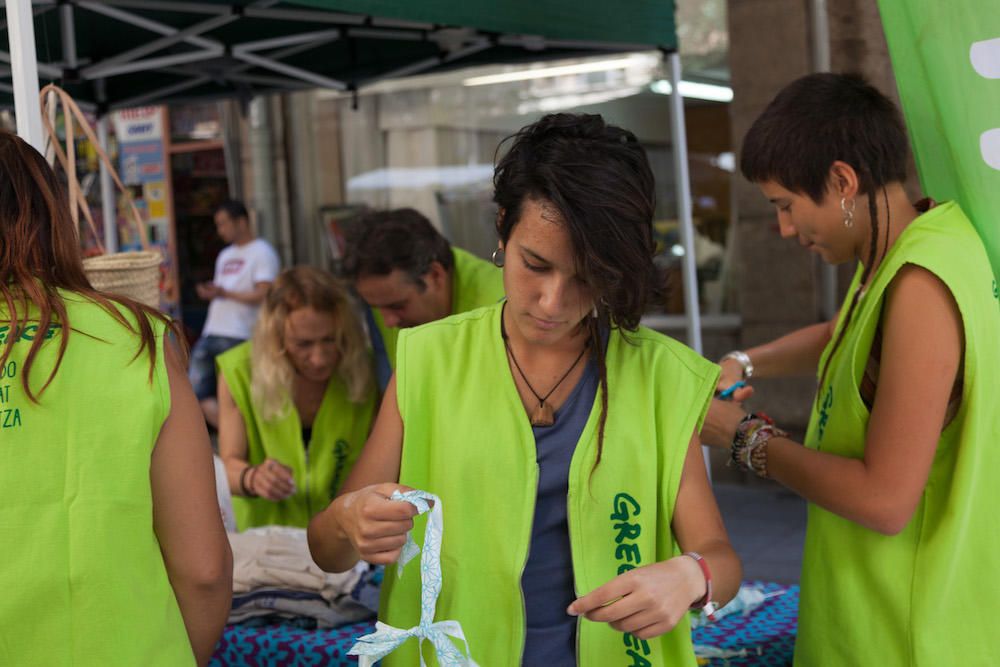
<point x="594" y="312"/>
<point x="499" y="258"/>
<point x="848" y="211"/>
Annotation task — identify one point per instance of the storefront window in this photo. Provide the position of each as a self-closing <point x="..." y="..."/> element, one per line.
<point x="195" y="122"/>
<point x="429" y="142"/>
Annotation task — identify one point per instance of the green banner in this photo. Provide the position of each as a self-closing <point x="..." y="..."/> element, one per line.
<point x="946" y="58"/>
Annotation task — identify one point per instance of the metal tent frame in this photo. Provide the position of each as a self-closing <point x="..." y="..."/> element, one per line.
<point x="205" y="53"/>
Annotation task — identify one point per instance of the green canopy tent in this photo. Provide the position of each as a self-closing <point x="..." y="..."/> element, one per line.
<point x="120" y="53"/>
<point x="112" y="54"/>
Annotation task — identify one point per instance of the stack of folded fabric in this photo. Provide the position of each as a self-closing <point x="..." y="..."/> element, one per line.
<point x="274" y="576"/>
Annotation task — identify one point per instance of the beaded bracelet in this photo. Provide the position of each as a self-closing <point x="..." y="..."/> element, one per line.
<point x="747" y="425"/>
<point x="757" y="449"/>
<point x="749" y="449"/>
<point x="741" y="453"/>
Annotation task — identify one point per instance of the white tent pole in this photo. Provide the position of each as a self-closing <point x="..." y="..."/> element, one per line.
<point x="133" y="55"/>
<point x="289" y="70"/>
<point x="821" y="63"/>
<point x="315" y="37"/>
<point x="50" y="142"/>
<point x="67" y="28"/>
<point x="24" y="71"/>
<point x="102" y="71"/>
<point x="682" y="180"/>
<point x="108" y="198"/>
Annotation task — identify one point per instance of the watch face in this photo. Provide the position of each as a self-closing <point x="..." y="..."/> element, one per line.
<point x="743" y="359"/>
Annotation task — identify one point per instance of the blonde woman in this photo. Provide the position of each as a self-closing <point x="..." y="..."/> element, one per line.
<point x="295" y="402"/>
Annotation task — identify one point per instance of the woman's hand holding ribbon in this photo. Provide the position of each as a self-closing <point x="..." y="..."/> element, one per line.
<point x="375" y="524"/>
<point x="647" y="601"/>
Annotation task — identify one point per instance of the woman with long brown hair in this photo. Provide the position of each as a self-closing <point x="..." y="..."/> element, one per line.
<point x="114" y="551"/>
<point x="295" y="402"/>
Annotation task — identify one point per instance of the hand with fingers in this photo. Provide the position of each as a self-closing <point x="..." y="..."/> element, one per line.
<point x="733" y="382"/>
<point x="272" y="480"/>
<point x="375" y="524"/>
<point x="207" y="291"/>
<point x="647" y="601"/>
<point x="721" y="423"/>
<point x="729" y="389"/>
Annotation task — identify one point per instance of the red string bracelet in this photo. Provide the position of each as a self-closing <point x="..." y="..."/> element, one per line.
<point x="703" y="603"/>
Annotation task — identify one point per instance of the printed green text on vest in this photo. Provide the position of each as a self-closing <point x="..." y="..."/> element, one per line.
<point x="9" y="416"/>
<point x="28" y="333"/>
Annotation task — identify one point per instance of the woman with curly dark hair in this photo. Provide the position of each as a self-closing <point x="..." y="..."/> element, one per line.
<point x="559" y="434"/>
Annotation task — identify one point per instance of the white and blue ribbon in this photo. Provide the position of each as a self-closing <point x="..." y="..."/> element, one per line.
<point x="386" y="638"/>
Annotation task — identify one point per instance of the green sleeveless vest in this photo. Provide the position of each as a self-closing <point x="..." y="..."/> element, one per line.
<point x="931" y="594"/>
<point x="338" y="434"/>
<point x="83" y="578"/>
<point x="468" y="440"/>
<point x="475" y="283"/>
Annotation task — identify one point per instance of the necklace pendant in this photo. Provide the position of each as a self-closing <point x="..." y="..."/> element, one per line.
<point x="543" y="415"/>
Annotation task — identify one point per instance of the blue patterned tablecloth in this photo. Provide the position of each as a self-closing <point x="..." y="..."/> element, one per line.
<point x="764" y="638"/>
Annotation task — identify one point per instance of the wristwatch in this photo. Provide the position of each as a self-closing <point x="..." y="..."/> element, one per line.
<point x="743" y="359"/>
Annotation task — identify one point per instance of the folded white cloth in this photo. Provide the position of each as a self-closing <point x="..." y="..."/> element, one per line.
<point x="297" y="604"/>
<point x="276" y="558"/>
<point x="223" y="495"/>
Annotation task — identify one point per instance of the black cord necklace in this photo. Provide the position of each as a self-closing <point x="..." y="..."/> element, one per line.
<point x="543" y="415"/>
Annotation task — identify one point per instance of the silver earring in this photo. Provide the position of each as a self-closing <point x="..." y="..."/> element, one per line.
<point x="848" y="211"/>
<point x="593" y="311"/>
<point x="499" y="257"/>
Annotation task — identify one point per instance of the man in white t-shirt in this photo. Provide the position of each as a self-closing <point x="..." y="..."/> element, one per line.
<point x="243" y="272"/>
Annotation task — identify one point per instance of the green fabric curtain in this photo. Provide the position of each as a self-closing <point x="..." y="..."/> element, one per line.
<point x="946" y="58"/>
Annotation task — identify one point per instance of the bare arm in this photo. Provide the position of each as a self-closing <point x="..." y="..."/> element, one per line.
<point x="698" y="527"/>
<point x="361" y="522"/>
<point x="271" y="479"/>
<point x="921" y="354"/>
<point x="232" y="436"/>
<point x="917" y="372"/>
<point x="794" y="354"/>
<point x="186" y="516"/>
<point x="649" y="601"/>
<point x="252" y="298"/>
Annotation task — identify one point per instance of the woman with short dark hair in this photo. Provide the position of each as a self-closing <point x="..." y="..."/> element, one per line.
<point x="900" y="463"/>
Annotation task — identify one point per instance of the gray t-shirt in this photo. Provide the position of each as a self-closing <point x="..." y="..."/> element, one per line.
<point x="547" y="581"/>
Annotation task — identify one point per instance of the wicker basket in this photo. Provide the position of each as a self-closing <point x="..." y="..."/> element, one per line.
<point x="132" y="274"/>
